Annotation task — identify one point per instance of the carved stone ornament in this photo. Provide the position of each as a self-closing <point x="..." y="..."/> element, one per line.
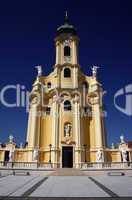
<point x="68" y="140"/>
<point x="67" y="43"/>
<point x="57" y="99"/>
<point x="67" y="59"/>
<point x="93" y="100"/>
<point x="76" y="99"/>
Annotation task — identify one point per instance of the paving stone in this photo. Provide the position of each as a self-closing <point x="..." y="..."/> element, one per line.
<point x="69" y="186"/>
<point x="66" y="183"/>
<point x="121" y="185"/>
<point x="22" y="190"/>
<point x="10" y="184"/>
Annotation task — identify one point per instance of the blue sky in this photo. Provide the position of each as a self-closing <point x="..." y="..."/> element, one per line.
<point x="27" y="31"/>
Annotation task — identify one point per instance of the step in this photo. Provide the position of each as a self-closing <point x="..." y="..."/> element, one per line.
<point x="68" y="172"/>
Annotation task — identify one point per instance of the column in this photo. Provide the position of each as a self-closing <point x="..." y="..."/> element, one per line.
<point x="55" y="136"/>
<point x="98" y="126"/>
<point x="74" y="52"/>
<point x="77" y="132"/>
<point x="32" y="126"/>
<point x="75" y="77"/>
<point x="57" y="53"/>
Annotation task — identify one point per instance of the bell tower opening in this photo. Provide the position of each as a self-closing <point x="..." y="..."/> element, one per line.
<point x="67" y="51"/>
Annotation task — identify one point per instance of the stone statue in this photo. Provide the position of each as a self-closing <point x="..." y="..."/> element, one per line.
<point x="67" y="130"/>
<point x="21" y="145"/>
<point x="122" y="139"/>
<point x="11" y="138"/>
<point x="99" y="156"/>
<point x="124" y="155"/>
<point x="112" y="146"/>
<point x="39" y="69"/>
<point x="94" y="70"/>
<point x="11" y="156"/>
<point x="35" y="154"/>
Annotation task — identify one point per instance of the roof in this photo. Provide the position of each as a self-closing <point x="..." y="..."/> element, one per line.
<point x="66" y="27"/>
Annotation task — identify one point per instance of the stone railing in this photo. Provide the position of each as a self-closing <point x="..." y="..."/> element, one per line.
<point x="26" y="165"/>
<point x="106" y="165"/>
<point x="47" y="165"/>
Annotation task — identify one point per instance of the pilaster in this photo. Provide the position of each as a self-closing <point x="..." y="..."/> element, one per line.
<point x="77" y="131"/>
<point x="55" y="130"/>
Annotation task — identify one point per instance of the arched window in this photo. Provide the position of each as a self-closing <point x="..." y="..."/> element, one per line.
<point x="67" y="51"/>
<point x="67" y="73"/>
<point x="67" y="105"/>
<point x="49" y="84"/>
<point x="85" y="85"/>
<point x="67" y="129"/>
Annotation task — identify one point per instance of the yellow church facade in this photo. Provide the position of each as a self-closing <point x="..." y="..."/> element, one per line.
<point x="66" y="124"/>
<point x="66" y="119"/>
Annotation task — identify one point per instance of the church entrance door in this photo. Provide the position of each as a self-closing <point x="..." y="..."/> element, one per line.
<point x="67" y="157"/>
<point x="6" y="157"/>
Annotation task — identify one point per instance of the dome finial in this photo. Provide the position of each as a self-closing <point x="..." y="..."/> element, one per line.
<point x="66" y="27"/>
<point x="66" y="14"/>
<point x="66" y="17"/>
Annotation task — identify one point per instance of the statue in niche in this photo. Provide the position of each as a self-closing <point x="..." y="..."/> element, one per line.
<point x="99" y="156"/>
<point x="67" y="129"/>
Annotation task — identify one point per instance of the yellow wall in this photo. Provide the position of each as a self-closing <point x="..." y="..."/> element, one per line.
<point x="1" y="155"/>
<point x="46" y="132"/>
<point x="113" y="156"/>
<point x="85" y="131"/>
<point x="21" y="156"/>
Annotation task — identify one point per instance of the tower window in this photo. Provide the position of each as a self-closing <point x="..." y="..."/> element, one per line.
<point x="49" y="84"/>
<point x="67" y="105"/>
<point x="67" y="51"/>
<point x="67" y="73"/>
<point x="48" y="110"/>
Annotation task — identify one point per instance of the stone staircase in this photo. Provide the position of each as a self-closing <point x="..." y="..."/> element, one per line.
<point x="67" y="172"/>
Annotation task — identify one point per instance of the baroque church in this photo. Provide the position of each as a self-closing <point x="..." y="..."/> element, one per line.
<point x="66" y="118"/>
<point x="66" y="122"/>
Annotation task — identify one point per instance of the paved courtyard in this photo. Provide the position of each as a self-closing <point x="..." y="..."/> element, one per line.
<point x="49" y="184"/>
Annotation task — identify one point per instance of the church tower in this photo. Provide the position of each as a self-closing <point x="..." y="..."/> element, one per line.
<point x="66" y="126"/>
<point x="66" y="43"/>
